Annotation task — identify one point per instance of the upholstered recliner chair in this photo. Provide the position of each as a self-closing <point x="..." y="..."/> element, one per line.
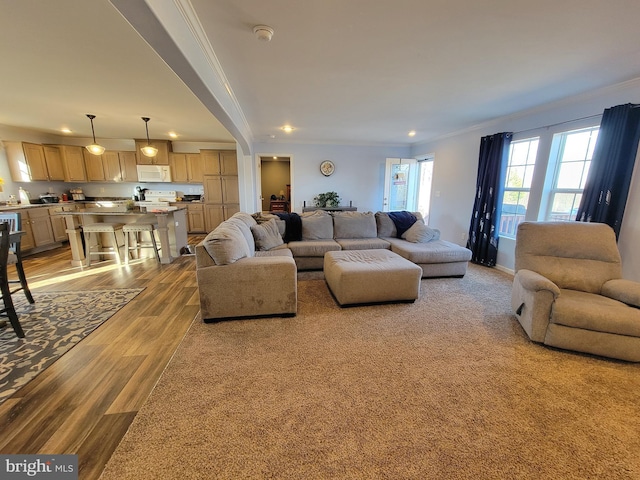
<point x="568" y="291"/>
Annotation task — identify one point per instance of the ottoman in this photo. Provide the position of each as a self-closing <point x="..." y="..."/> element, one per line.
<point x="371" y="276"/>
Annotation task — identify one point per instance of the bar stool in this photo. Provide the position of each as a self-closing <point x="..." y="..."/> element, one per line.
<point x="136" y="229"/>
<point x="99" y="228"/>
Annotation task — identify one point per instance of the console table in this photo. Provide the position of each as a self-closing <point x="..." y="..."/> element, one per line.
<point x="330" y="209"/>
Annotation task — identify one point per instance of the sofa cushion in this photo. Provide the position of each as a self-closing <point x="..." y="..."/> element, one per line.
<point x="240" y="220"/>
<point x="421" y="233"/>
<point x="267" y="235"/>
<point x="386" y="227"/>
<point x="226" y="244"/>
<point x="265" y="217"/>
<point x="313" y="248"/>
<point x="354" y="225"/>
<point x="594" y="312"/>
<point x="437" y="251"/>
<point x="317" y="225"/>
<point x="363" y="244"/>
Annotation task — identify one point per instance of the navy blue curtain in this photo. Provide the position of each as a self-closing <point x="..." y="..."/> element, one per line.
<point x="492" y="167"/>
<point x="605" y="194"/>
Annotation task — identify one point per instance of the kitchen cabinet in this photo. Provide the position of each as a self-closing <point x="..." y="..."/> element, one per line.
<point x="94" y="165"/>
<point x="219" y="162"/>
<point x="37" y="162"/>
<point x="162" y="158"/>
<point x="53" y="161"/>
<point x="73" y="163"/>
<point x="40" y="223"/>
<point x="186" y="167"/>
<point x="178" y="164"/>
<point x="195" y="218"/>
<point x="58" y="222"/>
<point x="221" y="197"/>
<point x="120" y="166"/>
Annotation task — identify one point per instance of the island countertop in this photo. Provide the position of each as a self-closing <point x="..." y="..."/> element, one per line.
<point x="171" y="227"/>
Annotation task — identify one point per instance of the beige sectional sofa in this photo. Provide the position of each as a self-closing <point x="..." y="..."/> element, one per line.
<point x="244" y="268"/>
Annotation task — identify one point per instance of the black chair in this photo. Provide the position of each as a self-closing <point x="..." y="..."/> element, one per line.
<point x="8" y="310"/>
<point x="14" y="220"/>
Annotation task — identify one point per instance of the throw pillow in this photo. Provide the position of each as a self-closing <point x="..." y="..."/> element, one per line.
<point x="267" y="235"/>
<point x="226" y="244"/>
<point x="402" y="220"/>
<point x="421" y="233"/>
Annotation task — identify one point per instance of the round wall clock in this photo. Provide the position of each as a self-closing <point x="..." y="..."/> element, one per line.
<point x="327" y="168"/>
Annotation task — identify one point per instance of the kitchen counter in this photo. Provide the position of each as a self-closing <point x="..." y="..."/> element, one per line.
<point x="172" y="228"/>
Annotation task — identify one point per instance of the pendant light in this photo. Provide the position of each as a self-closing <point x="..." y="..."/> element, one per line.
<point x="94" y="148"/>
<point x="148" y="150"/>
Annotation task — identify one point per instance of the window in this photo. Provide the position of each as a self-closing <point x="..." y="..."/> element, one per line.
<point x="424" y="187"/>
<point x="571" y="152"/>
<point x="522" y="160"/>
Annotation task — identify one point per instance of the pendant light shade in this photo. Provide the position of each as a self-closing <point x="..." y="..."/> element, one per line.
<point x="94" y="148"/>
<point x="148" y="150"/>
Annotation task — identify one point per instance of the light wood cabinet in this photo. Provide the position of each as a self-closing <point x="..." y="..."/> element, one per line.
<point x="94" y="165"/>
<point x="128" y="170"/>
<point x="40" y="162"/>
<point x="219" y="162"/>
<point x="162" y="158"/>
<point x="195" y="168"/>
<point x="38" y="219"/>
<point x="195" y="218"/>
<point x="186" y="167"/>
<point x="178" y="164"/>
<point x="53" y="161"/>
<point x="73" y="163"/>
<point x="221" y="197"/>
<point x="120" y="166"/>
<point x="58" y="224"/>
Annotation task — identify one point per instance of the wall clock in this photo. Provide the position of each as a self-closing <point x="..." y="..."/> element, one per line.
<point x="327" y="168"/>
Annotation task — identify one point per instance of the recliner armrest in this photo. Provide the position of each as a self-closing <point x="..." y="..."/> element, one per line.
<point x="626" y="291"/>
<point x="535" y="282"/>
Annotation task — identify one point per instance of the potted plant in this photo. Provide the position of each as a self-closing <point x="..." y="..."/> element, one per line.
<point x="327" y="200"/>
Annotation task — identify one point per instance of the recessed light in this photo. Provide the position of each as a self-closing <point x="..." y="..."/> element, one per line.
<point x="412" y="133"/>
<point x="287" y="129"/>
<point x="173" y="134"/>
<point x="65" y="130"/>
<point x="275" y="158"/>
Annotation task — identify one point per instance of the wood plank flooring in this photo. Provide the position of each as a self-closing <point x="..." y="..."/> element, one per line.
<point x="84" y="402"/>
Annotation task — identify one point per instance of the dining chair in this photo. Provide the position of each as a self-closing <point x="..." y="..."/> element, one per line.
<point x="9" y="310"/>
<point x="14" y="219"/>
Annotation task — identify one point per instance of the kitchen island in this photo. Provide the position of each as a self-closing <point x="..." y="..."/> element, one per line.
<point x="172" y="228"/>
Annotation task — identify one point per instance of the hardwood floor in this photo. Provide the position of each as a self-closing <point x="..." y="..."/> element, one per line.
<point x="84" y="402"/>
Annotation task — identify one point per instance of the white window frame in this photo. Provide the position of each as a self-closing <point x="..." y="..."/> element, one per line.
<point x="555" y="163"/>
<point x="511" y="231"/>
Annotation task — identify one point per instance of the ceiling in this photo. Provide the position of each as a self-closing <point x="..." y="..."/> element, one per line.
<point x="342" y="72"/>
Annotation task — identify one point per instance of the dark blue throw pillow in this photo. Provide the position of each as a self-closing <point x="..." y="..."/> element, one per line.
<point x="402" y="220"/>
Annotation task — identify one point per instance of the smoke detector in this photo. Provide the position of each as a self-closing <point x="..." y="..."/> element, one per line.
<point x="263" y="32"/>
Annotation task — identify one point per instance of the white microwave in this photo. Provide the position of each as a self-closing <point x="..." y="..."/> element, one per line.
<point x="154" y="173"/>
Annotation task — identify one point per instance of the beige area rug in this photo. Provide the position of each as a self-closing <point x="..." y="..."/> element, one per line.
<point x="446" y="388"/>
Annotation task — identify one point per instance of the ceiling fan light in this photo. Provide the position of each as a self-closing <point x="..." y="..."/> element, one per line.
<point x="149" y="151"/>
<point x="95" y="149"/>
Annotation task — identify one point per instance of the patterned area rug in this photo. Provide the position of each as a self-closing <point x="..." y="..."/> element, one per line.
<point x="53" y="325"/>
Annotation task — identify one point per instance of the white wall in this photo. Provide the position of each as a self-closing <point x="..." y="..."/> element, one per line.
<point x="358" y="178"/>
<point x="456" y="163"/>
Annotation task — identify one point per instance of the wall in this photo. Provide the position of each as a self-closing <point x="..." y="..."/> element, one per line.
<point x="456" y="163"/>
<point x="358" y="178"/>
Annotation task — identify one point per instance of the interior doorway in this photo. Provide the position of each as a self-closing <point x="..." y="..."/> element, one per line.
<point x="275" y="183"/>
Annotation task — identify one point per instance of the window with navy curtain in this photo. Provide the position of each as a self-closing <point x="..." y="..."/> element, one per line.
<point x="483" y="230"/>
<point x="605" y="193"/>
